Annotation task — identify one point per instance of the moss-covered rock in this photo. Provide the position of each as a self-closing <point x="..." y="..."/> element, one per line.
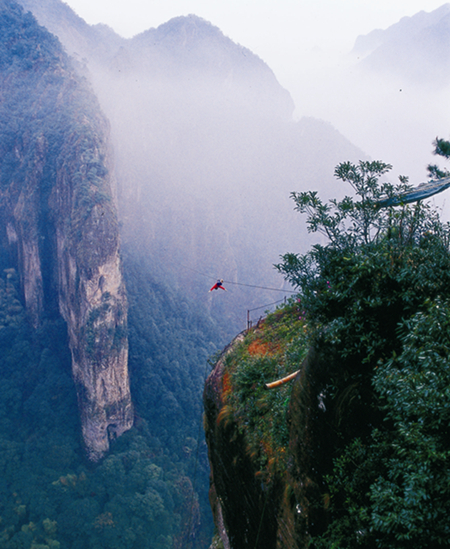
<point x="247" y="432"/>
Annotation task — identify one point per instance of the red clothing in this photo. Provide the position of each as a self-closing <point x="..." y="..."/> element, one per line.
<point x="217" y="285"/>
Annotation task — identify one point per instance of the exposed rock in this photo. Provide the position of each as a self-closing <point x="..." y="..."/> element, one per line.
<point x="236" y="511"/>
<point x="60" y="221"/>
<point x="248" y="510"/>
<point x="280" y="507"/>
<point x="92" y="296"/>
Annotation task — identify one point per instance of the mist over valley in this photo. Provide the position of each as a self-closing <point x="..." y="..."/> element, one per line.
<point x="207" y="153"/>
<point x="135" y="173"/>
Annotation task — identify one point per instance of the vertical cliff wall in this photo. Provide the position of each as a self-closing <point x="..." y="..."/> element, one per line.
<point x="247" y="507"/>
<point x="59" y="220"/>
<point x="253" y="494"/>
<point x="269" y="448"/>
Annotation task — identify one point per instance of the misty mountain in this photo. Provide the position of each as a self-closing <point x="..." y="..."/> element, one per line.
<point x="415" y="48"/>
<point x="81" y="465"/>
<point x="388" y="95"/>
<point x="206" y="152"/>
<point x="79" y="38"/>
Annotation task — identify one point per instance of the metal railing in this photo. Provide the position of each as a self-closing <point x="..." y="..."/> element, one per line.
<point x="250" y="321"/>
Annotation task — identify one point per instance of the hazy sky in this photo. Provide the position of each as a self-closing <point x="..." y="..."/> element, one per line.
<point x="270" y="28"/>
<point x="304" y="42"/>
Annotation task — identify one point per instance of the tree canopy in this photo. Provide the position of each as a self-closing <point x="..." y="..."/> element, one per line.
<point x="376" y="293"/>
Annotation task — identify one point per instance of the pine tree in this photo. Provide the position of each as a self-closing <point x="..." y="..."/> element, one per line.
<point x="441" y="148"/>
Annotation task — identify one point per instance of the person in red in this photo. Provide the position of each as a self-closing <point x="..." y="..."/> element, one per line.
<point x="218" y="285"/>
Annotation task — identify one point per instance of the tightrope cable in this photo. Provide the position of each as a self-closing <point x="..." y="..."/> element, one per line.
<point x="261" y="287"/>
<point x="239" y="283"/>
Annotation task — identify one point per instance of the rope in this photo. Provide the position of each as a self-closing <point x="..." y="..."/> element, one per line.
<point x="238" y="283"/>
<point x="261" y="287"/>
<point x="194" y="486"/>
<point x="263" y="306"/>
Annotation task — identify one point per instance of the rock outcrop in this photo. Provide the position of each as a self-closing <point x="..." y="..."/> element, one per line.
<point x="265" y="494"/>
<point x="59" y="219"/>
<point x="92" y="296"/>
<point x="250" y="500"/>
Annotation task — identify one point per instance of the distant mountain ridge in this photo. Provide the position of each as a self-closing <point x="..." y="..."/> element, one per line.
<point x="190" y="47"/>
<point x="416" y="47"/>
<point x="184" y="47"/>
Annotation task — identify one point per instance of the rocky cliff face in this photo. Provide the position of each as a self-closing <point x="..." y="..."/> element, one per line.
<point x="59" y="217"/>
<point x="268" y="449"/>
<point x="92" y="296"/>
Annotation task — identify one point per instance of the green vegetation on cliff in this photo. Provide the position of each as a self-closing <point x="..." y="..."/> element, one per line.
<point x="377" y="299"/>
<point x="150" y="492"/>
<point x="354" y="452"/>
<point x="271" y="351"/>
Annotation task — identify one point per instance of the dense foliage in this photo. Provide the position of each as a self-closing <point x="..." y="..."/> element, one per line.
<point x="151" y="490"/>
<point x="376" y="294"/>
<point x="441" y="148"/>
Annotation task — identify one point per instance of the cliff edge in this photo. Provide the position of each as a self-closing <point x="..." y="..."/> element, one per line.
<point x="59" y="220"/>
<point x="255" y="497"/>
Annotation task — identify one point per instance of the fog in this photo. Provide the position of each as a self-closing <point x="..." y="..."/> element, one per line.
<point x="207" y="154"/>
<point x="209" y="145"/>
<point x="392" y="117"/>
<point x="308" y="45"/>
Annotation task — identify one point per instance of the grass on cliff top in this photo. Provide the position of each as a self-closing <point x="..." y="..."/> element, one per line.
<point x="272" y="350"/>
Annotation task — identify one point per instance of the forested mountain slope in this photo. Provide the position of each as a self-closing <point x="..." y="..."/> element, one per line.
<point x="59" y="221"/>
<point x="64" y="334"/>
<point x="150" y="491"/>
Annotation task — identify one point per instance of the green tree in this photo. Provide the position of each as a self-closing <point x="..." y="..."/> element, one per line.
<point x="409" y="500"/>
<point x="441" y="148"/>
<point x="378" y="265"/>
<point x="377" y="295"/>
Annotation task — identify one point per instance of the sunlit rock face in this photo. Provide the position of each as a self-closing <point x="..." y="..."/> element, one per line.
<point x="59" y="219"/>
<point x="92" y="296"/>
